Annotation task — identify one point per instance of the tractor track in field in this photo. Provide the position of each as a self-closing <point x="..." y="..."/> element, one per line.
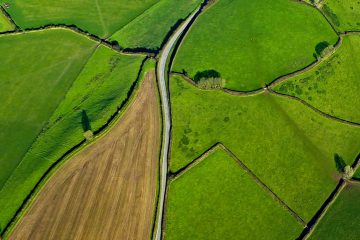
<point x="242" y="165"/>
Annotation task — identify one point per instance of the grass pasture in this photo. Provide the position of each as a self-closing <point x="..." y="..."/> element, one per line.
<point x="251" y="43"/>
<point x="342" y="219"/>
<point x="333" y="86"/>
<point x="5" y="24"/>
<point x="100" y="17"/>
<point x="150" y="29"/>
<point x="36" y="71"/>
<point x="344" y="15"/>
<point x="216" y="199"/>
<point x="95" y="95"/>
<point x="287" y="145"/>
<point x="112" y="183"/>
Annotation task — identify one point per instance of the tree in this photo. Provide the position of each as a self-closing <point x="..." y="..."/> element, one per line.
<point x="348" y="172"/>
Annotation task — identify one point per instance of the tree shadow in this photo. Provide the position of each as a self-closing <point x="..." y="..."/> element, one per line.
<point x="206" y="74"/>
<point x="321" y="46"/>
<point x="85" y="121"/>
<point x="339" y="163"/>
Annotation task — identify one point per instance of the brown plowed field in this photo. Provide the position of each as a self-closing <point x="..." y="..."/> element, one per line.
<point x="107" y="191"/>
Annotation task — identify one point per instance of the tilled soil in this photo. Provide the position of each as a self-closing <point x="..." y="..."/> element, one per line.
<point x="108" y="191"/>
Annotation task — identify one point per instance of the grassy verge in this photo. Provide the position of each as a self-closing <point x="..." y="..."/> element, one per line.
<point x="251" y="43"/>
<point x="216" y="199"/>
<point x="287" y="145"/>
<point x="332" y="86"/>
<point x="98" y="92"/>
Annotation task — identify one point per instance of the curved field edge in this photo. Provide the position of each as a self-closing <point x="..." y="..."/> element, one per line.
<point x="248" y="58"/>
<point x="69" y="145"/>
<point x="143" y="109"/>
<point x="331" y="86"/>
<point x="344" y="15"/>
<point x="151" y="29"/>
<point x="217" y="187"/>
<point x="266" y="132"/>
<point x="42" y="71"/>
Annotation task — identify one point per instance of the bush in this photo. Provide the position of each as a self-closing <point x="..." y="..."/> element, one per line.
<point x="348" y="172"/>
<point x="210" y="83"/>
<point x="323" y="49"/>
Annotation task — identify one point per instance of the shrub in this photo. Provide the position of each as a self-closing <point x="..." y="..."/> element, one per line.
<point x="348" y="172"/>
<point x="210" y="83"/>
<point x="323" y="49"/>
<point x="88" y="135"/>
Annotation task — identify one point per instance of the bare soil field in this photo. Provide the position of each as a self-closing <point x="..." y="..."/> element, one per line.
<point x="108" y="191"/>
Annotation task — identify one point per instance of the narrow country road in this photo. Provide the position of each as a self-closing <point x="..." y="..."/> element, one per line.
<point x="161" y="72"/>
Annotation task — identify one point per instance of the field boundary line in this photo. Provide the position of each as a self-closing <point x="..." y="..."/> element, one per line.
<point x="225" y="90"/>
<point x="175" y="175"/>
<point x="322" y="13"/>
<point x="242" y="165"/>
<point x="349" y="33"/>
<point x="326" y="115"/>
<point x="113" y="45"/>
<point x="328" y="203"/>
<point x="10" y="19"/>
<point x="137" y="16"/>
<point x="309" y="67"/>
<point x="264" y="186"/>
<point x="101" y="132"/>
<point x="42" y="129"/>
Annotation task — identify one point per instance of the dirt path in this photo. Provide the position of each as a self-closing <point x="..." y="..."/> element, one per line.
<point x="108" y="191"/>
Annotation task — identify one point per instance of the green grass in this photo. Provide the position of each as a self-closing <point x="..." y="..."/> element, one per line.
<point x="357" y="173"/>
<point x="5" y="24"/>
<point x="100" y="17"/>
<point x="345" y="15"/>
<point x="333" y="86"/>
<point x="342" y="219"/>
<point x="36" y="71"/>
<point x="251" y="43"/>
<point x="150" y="29"/>
<point x="289" y="146"/>
<point x="98" y="91"/>
<point x="217" y="199"/>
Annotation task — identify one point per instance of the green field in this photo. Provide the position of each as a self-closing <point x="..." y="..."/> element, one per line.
<point x="100" y="17"/>
<point x="5" y="24"/>
<point x="333" y="86"/>
<point x="342" y="219"/>
<point x="251" y="43"/>
<point x="36" y="71"/>
<point x="289" y="146"/>
<point x="345" y="15"/>
<point x="217" y="199"/>
<point x="150" y="29"/>
<point x="95" y="95"/>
